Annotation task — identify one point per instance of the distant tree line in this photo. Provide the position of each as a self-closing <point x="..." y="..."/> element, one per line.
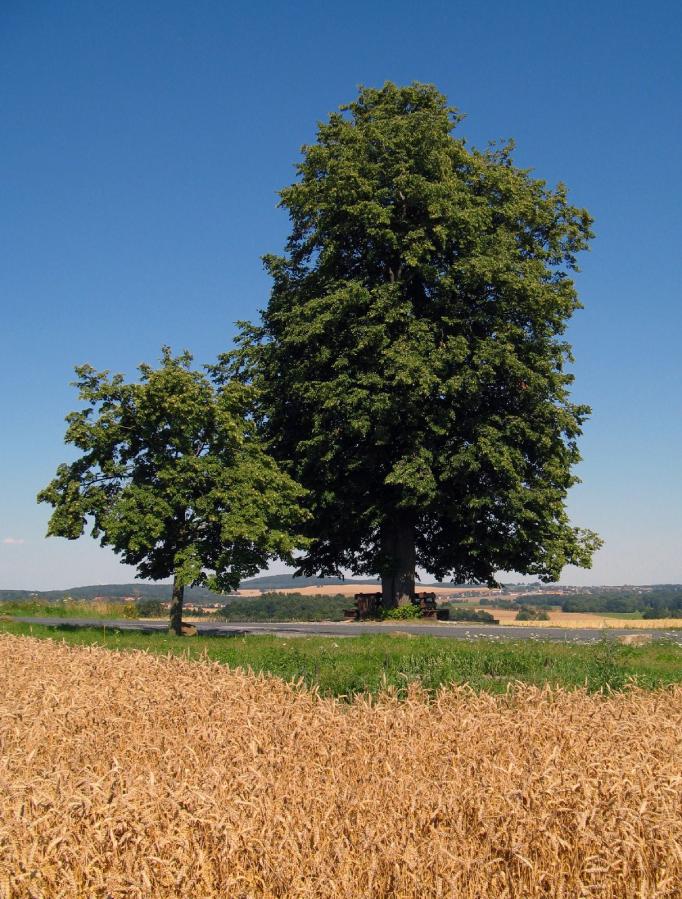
<point x="531" y="613"/>
<point x="161" y="592"/>
<point x="457" y="613"/>
<point x="285" y="607"/>
<point x="299" y="607"/>
<point x="659" y="602"/>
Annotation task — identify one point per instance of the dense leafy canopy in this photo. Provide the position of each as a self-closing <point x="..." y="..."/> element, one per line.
<point x="410" y="365"/>
<point x="173" y="477"/>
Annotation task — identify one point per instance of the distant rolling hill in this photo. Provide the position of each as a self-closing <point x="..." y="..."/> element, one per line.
<point x="287" y="581"/>
<point x="272" y="582"/>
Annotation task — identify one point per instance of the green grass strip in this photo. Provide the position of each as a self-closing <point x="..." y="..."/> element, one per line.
<point x="349" y="665"/>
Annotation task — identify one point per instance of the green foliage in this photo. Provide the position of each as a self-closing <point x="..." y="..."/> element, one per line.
<point x="457" y="613"/>
<point x="149" y="608"/>
<point x="663" y="601"/>
<point x="402" y="613"/>
<point x="604" y="666"/>
<point x="129" y="610"/>
<point x="371" y="663"/>
<point x="284" y="607"/>
<point x="410" y="363"/>
<point x="662" y="612"/>
<point x="530" y="613"/>
<point x="542" y="599"/>
<point x="173" y="477"/>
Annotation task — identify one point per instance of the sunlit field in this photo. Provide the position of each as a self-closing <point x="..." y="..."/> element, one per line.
<point x="594" y="620"/>
<point x="128" y="774"/>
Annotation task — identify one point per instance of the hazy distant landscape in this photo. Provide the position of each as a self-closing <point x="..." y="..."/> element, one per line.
<point x="163" y="591"/>
<point x="626" y="599"/>
<point x="283" y="598"/>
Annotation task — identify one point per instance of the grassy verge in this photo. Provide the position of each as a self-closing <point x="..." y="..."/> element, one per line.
<point x="70" y="609"/>
<point x="349" y="665"/>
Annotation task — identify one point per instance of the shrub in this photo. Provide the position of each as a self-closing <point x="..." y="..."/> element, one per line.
<point x="477" y="615"/>
<point x="149" y="608"/>
<point x="129" y="610"/>
<point x="662" y="613"/>
<point x="402" y="613"/>
<point x="527" y="613"/>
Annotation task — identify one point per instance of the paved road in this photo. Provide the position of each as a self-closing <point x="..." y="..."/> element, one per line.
<point x="461" y="631"/>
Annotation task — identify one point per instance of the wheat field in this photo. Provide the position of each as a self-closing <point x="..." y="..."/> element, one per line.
<point x="133" y="775"/>
<point x="592" y="620"/>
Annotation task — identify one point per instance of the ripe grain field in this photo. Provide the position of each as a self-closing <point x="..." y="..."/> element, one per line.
<point x="137" y="775"/>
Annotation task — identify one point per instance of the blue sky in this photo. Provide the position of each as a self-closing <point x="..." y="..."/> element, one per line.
<point x="141" y="148"/>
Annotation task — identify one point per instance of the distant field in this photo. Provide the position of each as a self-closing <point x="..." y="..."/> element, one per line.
<point x="137" y="775"/>
<point x="597" y="620"/>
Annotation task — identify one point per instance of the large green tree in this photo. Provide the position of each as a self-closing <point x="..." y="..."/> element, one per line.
<point x="173" y="476"/>
<point x="410" y="365"/>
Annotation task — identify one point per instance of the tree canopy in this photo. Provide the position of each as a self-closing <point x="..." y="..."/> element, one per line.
<point x="174" y="478"/>
<point x="410" y="366"/>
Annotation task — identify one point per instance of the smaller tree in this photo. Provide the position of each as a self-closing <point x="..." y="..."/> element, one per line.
<point x="173" y="477"/>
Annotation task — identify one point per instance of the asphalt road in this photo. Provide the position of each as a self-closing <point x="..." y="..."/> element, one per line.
<point x="461" y="630"/>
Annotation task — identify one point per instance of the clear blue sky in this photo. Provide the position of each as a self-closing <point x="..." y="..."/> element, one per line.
<point x="141" y="146"/>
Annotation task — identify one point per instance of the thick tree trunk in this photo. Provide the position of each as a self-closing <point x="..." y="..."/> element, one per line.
<point x="176" y="607"/>
<point x="400" y="559"/>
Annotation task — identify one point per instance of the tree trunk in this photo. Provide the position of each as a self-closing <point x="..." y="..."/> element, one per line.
<point x="399" y="559"/>
<point x="176" y="607"/>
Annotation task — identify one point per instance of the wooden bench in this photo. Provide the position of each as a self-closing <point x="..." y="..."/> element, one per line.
<point x="428" y="607"/>
<point x="369" y="605"/>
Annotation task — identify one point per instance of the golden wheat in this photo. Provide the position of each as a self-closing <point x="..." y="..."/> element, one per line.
<point x="131" y="775"/>
<point x="557" y="618"/>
